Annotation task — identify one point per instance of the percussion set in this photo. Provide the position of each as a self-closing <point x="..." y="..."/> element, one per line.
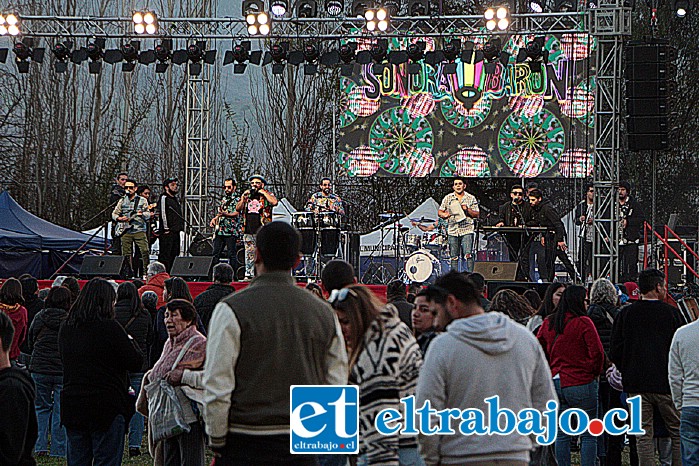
<point x="426" y="252"/>
<point x="320" y="235"/>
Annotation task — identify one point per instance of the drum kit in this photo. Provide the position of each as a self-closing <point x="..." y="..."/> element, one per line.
<point x="427" y="251"/>
<point x="320" y="236"/>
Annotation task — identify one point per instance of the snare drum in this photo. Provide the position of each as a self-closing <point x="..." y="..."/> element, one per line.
<point x="303" y="220"/>
<point x="329" y="220"/>
<point x="412" y="242"/>
<point x="422" y="267"/>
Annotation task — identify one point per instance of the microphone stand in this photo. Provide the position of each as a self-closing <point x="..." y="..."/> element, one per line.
<point x="75" y="253"/>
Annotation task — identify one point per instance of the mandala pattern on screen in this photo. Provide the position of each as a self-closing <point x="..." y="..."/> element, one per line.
<point x="531" y="146"/>
<point x="470" y="161"/>
<point x="398" y="137"/>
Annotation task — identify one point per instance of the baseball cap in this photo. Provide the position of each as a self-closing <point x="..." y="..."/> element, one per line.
<point x="633" y="291"/>
<point x="259" y="177"/>
<point x="169" y="180"/>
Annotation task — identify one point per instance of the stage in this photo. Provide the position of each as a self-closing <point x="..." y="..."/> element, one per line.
<point x="196" y="288"/>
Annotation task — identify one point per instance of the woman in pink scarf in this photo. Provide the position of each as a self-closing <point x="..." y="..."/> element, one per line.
<point x="180" y="321"/>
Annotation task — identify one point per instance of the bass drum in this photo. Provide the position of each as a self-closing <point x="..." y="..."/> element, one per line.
<point x="422" y="267"/>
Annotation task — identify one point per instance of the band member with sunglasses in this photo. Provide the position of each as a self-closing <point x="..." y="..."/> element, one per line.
<point x="132" y="213"/>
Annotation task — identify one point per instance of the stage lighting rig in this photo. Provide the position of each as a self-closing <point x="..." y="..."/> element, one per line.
<point x="239" y="55"/>
<point x="259" y="24"/>
<point x="145" y="22"/>
<point x="497" y="18"/>
<point x="377" y="20"/>
<point x="534" y="54"/>
<point x="307" y="9"/>
<point x="24" y="53"/>
<point x="334" y="7"/>
<point x="418" y="8"/>
<point x="9" y="24"/>
<point x="62" y="51"/>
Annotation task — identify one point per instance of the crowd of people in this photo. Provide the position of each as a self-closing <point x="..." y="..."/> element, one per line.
<point x="83" y="371"/>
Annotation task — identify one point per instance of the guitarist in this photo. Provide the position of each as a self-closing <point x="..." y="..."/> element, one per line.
<point x="132" y="211"/>
<point x="225" y="225"/>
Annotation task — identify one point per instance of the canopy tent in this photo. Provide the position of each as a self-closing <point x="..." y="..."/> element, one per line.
<point x="283" y="211"/>
<point x="29" y="244"/>
<point x="371" y="242"/>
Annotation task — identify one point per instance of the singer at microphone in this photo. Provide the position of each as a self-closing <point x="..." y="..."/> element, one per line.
<point x="255" y="206"/>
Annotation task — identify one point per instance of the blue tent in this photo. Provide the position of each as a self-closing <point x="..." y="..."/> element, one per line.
<point x="29" y="244"/>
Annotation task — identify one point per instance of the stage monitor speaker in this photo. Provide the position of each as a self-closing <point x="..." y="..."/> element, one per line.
<point x="191" y="267"/>
<point x="102" y="266"/>
<point x="500" y="271"/>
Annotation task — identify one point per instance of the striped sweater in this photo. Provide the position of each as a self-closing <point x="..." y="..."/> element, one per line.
<point x="386" y="371"/>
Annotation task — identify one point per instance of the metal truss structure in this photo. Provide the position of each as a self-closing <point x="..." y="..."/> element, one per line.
<point x="609" y="23"/>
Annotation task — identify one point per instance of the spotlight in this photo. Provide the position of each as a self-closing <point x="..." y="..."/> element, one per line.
<point x="418" y="8"/>
<point x="196" y="54"/>
<point x="377" y="19"/>
<point x="130" y="52"/>
<point x="279" y="7"/>
<point x="95" y="52"/>
<point x="564" y="5"/>
<point x="9" y="24"/>
<point x="259" y="24"/>
<point x="681" y="8"/>
<point x="379" y="51"/>
<point x="392" y="6"/>
<point x="163" y="53"/>
<point x="252" y="6"/>
<point x="307" y="9"/>
<point x="416" y="52"/>
<point x="534" y="54"/>
<point x="452" y="51"/>
<point x="348" y="54"/>
<point x="497" y="18"/>
<point x="359" y="7"/>
<point x="492" y="52"/>
<point x="537" y="6"/>
<point x="62" y="52"/>
<point x="239" y="55"/>
<point x="145" y="22"/>
<point x="277" y="55"/>
<point x="24" y="52"/>
<point x="310" y="56"/>
<point x="334" y="7"/>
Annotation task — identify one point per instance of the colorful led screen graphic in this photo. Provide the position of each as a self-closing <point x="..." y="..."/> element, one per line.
<point x="486" y="120"/>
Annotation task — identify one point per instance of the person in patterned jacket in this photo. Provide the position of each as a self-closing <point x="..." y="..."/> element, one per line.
<point x="384" y="361"/>
<point x="325" y="200"/>
<point x="226" y="225"/>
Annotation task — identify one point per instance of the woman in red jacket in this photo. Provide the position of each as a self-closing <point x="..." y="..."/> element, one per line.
<point x="11" y="304"/>
<point x="576" y="358"/>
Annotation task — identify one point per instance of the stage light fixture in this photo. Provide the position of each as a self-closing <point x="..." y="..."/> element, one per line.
<point x="534" y="55"/>
<point x="334" y="7"/>
<point x="277" y="56"/>
<point x="239" y="55"/>
<point x="9" y="24"/>
<point x="497" y="18"/>
<point x="562" y="6"/>
<point x="359" y="7"/>
<point x="307" y="9"/>
<point x="145" y="22"/>
<point x="416" y="53"/>
<point x="130" y="52"/>
<point x="259" y="24"/>
<point x="62" y="51"/>
<point x="681" y="8"/>
<point x="418" y="8"/>
<point x="392" y="7"/>
<point x="252" y="6"/>
<point x="95" y="52"/>
<point x="450" y="52"/>
<point x="377" y="19"/>
<point x="311" y="54"/>
<point x="537" y="6"/>
<point x="195" y="54"/>
<point x="279" y="7"/>
<point x="379" y="52"/>
<point x="348" y="54"/>
<point x="492" y="53"/>
<point x="25" y="52"/>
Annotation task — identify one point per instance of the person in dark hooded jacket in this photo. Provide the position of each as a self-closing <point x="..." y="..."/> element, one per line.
<point x="47" y="371"/>
<point x="129" y="312"/>
<point x="543" y="214"/>
<point x="18" y="419"/>
<point x="207" y="301"/>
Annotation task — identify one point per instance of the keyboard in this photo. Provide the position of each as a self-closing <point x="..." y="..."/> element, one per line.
<point x="530" y="230"/>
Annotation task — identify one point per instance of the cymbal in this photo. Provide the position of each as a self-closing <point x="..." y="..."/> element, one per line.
<point x="423" y="220"/>
<point x="390" y="215"/>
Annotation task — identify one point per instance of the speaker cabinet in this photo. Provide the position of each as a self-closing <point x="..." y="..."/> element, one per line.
<point x="191" y="267"/>
<point x="102" y="266"/>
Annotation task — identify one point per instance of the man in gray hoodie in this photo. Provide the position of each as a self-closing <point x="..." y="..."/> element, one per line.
<point x="481" y="355"/>
<point x="684" y="383"/>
